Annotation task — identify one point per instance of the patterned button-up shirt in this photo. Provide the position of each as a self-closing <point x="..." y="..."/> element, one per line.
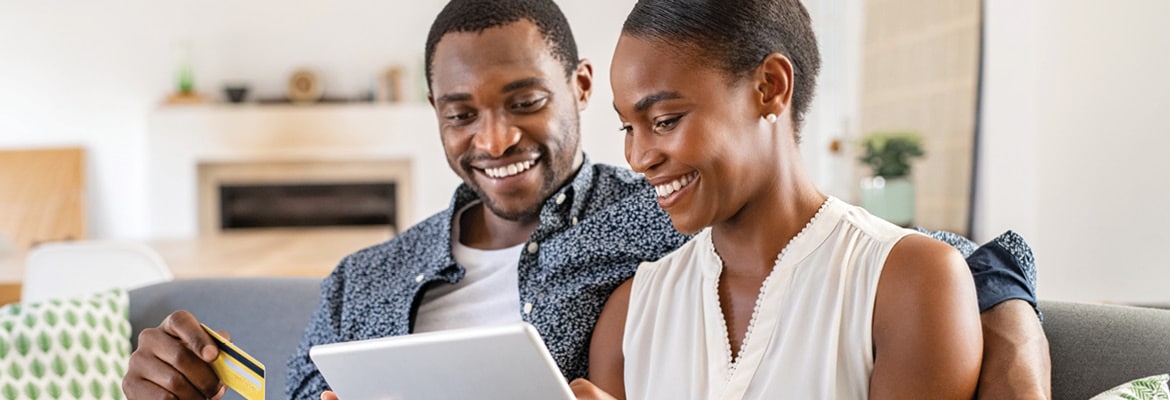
<point x="592" y="235"/>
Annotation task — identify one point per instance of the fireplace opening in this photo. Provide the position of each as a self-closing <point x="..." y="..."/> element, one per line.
<point x="275" y="205"/>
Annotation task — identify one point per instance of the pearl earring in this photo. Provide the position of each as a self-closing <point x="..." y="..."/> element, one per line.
<point x="771" y="118"/>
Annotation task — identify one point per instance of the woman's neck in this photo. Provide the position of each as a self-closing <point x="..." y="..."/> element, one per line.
<point x="750" y="241"/>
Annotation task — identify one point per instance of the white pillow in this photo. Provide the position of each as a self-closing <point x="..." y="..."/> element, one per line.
<point x="1150" y="388"/>
<point x="67" y="349"/>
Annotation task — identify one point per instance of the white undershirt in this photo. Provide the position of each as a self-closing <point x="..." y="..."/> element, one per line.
<point x="488" y="294"/>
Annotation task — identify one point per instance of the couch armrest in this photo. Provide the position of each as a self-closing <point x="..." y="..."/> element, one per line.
<point x="1096" y="347"/>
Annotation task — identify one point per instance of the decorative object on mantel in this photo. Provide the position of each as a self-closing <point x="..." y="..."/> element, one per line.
<point x="889" y="193"/>
<point x="389" y="89"/>
<point x="186" y="81"/>
<point x="236" y="93"/>
<point x="304" y="86"/>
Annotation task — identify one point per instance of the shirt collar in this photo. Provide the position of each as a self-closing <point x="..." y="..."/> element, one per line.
<point x="575" y="193"/>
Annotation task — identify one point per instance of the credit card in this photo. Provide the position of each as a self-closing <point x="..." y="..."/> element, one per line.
<point x="237" y="369"/>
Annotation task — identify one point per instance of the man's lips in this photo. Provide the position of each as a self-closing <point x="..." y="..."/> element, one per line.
<point x="500" y="170"/>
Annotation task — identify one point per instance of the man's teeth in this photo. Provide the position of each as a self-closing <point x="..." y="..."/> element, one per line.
<point x="666" y="189"/>
<point x="509" y="170"/>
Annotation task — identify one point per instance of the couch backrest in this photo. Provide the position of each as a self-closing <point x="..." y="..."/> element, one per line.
<point x="1093" y="347"/>
<point x="265" y="316"/>
<point x="1096" y="347"/>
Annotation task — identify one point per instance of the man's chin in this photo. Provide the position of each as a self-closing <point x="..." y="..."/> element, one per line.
<point x="513" y="212"/>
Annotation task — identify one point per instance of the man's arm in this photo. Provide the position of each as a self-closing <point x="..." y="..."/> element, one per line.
<point x="1016" y="363"/>
<point x="304" y="381"/>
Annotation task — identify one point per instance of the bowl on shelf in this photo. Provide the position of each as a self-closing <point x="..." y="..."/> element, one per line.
<point x="236" y="93"/>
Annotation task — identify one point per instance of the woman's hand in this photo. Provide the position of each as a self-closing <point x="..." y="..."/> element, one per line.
<point x="585" y="390"/>
<point x="328" y="395"/>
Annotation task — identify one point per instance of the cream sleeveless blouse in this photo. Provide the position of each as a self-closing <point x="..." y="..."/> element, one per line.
<point x="811" y="333"/>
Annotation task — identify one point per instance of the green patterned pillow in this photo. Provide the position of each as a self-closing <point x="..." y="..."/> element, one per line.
<point x="1151" y="388"/>
<point x="65" y="349"/>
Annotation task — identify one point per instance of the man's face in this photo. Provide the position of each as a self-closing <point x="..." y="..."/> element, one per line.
<point x="508" y="116"/>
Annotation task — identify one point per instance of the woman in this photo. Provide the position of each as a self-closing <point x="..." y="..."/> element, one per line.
<point x="784" y="292"/>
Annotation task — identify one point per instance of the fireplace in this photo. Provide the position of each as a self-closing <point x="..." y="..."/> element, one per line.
<point x="301" y="205"/>
<point x="297" y="194"/>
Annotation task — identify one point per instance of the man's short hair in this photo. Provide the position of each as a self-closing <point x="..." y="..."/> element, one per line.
<point x="479" y="15"/>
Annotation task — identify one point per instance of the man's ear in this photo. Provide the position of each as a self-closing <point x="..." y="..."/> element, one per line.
<point x="774" y="84"/>
<point x="583" y="83"/>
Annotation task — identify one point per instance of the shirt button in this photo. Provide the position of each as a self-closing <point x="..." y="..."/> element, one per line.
<point x="420" y="277"/>
<point x="527" y="308"/>
<point x="574" y="220"/>
<point x="561" y="198"/>
<point x="533" y="247"/>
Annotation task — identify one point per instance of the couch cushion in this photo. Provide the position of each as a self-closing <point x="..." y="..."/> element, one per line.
<point x="76" y="348"/>
<point x="1150" y="388"/>
<point x="1095" y="347"/>
<point x="264" y="316"/>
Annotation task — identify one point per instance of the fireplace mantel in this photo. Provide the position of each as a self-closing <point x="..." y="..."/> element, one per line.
<point x="183" y="137"/>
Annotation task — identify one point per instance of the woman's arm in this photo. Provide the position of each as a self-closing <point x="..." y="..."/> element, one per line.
<point x="606" y="362"/>
<point x="928" y="341"/>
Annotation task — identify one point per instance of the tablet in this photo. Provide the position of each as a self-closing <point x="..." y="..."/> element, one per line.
<point x="505" y="362"/>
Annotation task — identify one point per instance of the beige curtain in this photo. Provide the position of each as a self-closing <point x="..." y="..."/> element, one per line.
<point x="921" y="74"/>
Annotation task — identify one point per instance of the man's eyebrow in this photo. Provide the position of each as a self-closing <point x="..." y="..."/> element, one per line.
<point x="650" y="100"/>
<point x="522" y="84"/>
<point x="453" y="97"/>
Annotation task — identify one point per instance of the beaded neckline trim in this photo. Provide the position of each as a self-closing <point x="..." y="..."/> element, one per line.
<point x="734" y="358"/>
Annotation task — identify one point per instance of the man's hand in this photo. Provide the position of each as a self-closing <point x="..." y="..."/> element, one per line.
<point x="173" y="361"/>
<point x="585" y="390"/>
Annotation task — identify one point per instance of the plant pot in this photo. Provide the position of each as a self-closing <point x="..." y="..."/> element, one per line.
<point x="889" y="199"/>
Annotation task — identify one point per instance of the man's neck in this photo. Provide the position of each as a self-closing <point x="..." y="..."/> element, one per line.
<point x="479" y="228"/>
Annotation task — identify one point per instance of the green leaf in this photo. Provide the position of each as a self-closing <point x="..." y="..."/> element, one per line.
<point x="104" y="344"/>
<point x="23" y="344"/>
<point x="8" y="325"/>
<point x="32" y="391"/>
<point x="15" y="371"/>
<point x="37" y="368"/>
<point x="119" y="369"/>
<point x="4" y="348"/>
<point x="96" y="388"/>
<point x="44" y="342"/>
<point x="30" y="320"/>
<point x="108" y="323"/>
<point x="86" y="341"/>
<point x="76" y="389"/>
<point x="90" y="319"/>
<point x="54" y="390"/>
<point x="116" y="390"/>
<point x="10" y="392"/>
<point x="14" y="310"/>
<point x="71" y="317"/>
<point x="80" y="365"/>
<point x="66" y="340"/>
<point x="51" y="318"/>
<point x="59" y="366"/>
<point x="100" y="366"/>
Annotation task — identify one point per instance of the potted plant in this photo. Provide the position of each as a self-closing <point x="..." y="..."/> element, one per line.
<point x="889" y="193"/>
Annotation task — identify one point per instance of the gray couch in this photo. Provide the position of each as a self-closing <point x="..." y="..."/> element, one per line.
<point x="1094" y="347"/>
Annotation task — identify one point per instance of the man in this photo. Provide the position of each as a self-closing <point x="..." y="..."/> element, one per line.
<point x="536" y="233"/>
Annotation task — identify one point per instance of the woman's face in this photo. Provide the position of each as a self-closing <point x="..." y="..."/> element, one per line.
<point x="694" y="131"/>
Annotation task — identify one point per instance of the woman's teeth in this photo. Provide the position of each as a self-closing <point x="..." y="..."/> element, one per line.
<point x="666" y="189"/>
<point x="509" y="170"/>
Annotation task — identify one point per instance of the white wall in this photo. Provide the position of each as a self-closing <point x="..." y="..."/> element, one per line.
<point x="89" y="73"/>
<point x="1076" y="133"/>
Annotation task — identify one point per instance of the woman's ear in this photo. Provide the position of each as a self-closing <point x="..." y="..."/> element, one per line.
<point x="774" y="80"/>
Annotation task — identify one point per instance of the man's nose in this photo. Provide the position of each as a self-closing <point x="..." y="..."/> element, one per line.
<point x="496" y="135"/>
